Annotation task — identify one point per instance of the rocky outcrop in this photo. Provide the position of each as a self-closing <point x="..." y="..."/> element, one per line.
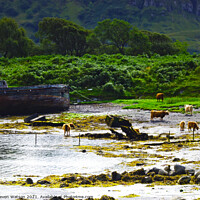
<point x="190" y="6"/>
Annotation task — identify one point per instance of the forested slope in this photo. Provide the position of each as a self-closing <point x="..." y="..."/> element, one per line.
<point x="163" y="16"/>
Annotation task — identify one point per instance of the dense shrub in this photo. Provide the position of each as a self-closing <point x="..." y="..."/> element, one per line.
<point x="139" y="76"/>
<point x="109" y="88"/>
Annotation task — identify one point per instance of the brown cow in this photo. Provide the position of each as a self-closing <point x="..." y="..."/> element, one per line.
<point x="193" y="125"/>
<point x="159" y="96"/>
<point x="67" y="128"/>
<point x="160" y="114"/>
<point x="182" y="125"/>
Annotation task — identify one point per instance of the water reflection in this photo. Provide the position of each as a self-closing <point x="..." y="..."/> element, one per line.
<point x="8" y="151"/>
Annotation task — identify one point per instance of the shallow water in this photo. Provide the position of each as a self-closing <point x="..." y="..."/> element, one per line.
<point x="53" y="154"/>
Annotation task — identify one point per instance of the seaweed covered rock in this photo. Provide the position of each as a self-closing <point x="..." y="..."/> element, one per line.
<point x="103" y="177"/>
<point x="116" y="121"/>
<point x="147" y="179"/>
<point x="197" y="179"/>
<point x="158" y="178"/>
<point x="179" y="169"/>
<point x="86" y="182"/>
<point x="105" y="197"/>
<point x="43" y="182"/>
<point x="154" y="169"/>
<point x="138" y="172"/>
<point x="116" y="176"/>
<point x="162" y="172"/>
<point x="184" y="180"/>
<point x="29" y="181"/>
<point x="197" y="174"/>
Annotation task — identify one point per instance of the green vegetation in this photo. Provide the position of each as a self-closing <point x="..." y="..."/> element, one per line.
<point x="67" y="37"/>
<point x="167" y="17"/>
<point x="175" y="104"/>
<point x="60" y="36"/>
<point x="118" y="60"/>
<point x="108" y="77"/>
<point x="13" y="41"/>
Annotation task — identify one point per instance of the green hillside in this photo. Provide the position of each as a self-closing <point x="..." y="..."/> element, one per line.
<point x="108" y="76"/>
<point x="179" y="20"/>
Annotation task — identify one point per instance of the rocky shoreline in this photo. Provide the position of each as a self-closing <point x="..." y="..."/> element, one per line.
<point x="170" y="165"/>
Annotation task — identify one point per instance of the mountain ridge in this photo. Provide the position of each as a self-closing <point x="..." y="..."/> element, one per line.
<point x="172" y="17"/>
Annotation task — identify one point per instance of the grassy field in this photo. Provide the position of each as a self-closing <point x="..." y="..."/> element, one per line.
<point x="175" y="104"/>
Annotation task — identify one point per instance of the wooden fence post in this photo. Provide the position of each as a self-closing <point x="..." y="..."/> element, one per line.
<point x="193" y="134"/>
<point x="35" y="139"/>
<point x="169" y="137"/>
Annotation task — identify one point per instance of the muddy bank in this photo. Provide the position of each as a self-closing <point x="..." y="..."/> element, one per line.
<point x="141" y="118"/>
<point x="138" y="118"/>
<point x="135" y="115"/>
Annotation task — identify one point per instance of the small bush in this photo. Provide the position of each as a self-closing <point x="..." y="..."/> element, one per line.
<point x="109" y="87"/>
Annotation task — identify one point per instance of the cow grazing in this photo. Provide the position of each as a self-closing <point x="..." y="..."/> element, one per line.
<point x="188" y="108"/>
<point x="159" y="96"/>
<point x="160" y="114"/>
<point x="193" y="125"/>
<point x="67" y="128"/>
<point x="182" y="125"/>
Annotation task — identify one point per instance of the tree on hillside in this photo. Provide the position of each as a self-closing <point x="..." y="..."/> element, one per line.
<point x="68" y="37"/>
<point x="114" y="32"/>
<point x="139" y="43"/>
<point x="13" y="40"/>
<point x="93" y="44"/>
<point x="161" y="44"/>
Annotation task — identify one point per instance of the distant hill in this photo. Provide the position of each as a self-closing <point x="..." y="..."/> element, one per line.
<point x="179" y="19"/>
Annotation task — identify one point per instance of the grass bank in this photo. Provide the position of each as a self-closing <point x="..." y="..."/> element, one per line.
<point x="175" y="104"/>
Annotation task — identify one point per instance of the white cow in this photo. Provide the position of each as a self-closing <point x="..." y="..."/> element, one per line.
<point x="188" y="108"/>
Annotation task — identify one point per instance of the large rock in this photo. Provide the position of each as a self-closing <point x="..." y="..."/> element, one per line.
<point x="155" y="170"/>
<point x="162" y="172"/>
<point x="184" y="180"/>
<point x="105" y="197"/>
<point x="197" y="179"/>
<point x="116" y="176"/>
<point x="43" y="182"/>
<point x="147" y="179"/>
<point x="138" y="172"/>
<point x="190" y="171"/>
<point x="179" y="169"/>
<point x="197" y="174"/>
<point x="29" y="181"/>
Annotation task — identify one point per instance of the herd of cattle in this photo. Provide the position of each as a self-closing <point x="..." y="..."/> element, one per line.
<point x="188" y="108"/>
<point x="154" y="114"/>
